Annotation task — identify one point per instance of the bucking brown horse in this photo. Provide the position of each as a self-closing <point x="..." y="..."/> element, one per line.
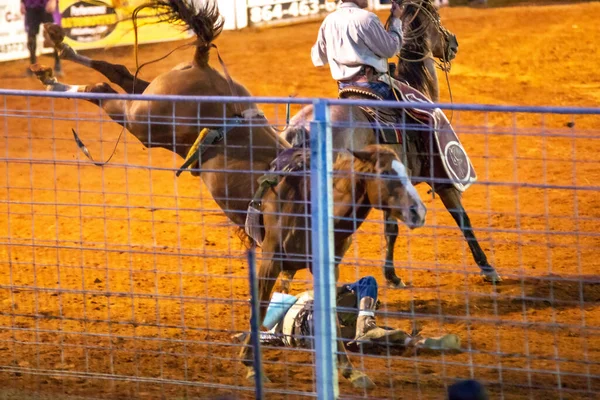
<point x="230" y="165"/>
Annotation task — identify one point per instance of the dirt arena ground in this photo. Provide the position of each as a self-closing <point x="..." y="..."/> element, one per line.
<point x="125" y="271"/>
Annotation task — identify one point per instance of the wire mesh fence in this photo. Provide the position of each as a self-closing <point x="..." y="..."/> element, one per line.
<point x="128" y="281"/>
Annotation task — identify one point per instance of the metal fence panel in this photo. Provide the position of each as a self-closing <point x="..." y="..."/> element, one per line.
<point x="125" y="281"/>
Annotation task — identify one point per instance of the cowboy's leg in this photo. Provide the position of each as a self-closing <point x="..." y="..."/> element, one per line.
<point x="366" y="327"/>
<point x="381" y="88"/>
<point x="366" y="293"/>
<point x="32" y="47"/>
<point x="365" y="287"/>
<point x="33" y="20"/>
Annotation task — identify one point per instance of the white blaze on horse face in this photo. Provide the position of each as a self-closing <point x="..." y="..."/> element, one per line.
<point x="410" y="189"/>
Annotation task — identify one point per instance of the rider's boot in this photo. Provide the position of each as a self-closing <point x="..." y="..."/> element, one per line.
<point x="366" y="327"/>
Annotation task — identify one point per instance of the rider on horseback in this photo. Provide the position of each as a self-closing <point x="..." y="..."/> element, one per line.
<point x="357" y="47"/>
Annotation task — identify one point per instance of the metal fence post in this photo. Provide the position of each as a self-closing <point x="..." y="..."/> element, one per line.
<point x="323" y="252"/>
<point x="255" y="325"/>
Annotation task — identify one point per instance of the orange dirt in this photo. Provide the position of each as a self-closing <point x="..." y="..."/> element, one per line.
<point x="125" y="271"/>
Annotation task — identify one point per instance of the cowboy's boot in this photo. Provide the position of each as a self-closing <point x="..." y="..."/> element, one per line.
<point x="366" y="327"/>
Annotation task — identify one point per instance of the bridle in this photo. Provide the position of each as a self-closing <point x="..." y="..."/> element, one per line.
<point x="432" y="17"/>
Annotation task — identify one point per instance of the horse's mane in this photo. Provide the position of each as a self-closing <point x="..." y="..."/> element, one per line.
<point x="204" y="20"/>
<point x="415" y="46"/>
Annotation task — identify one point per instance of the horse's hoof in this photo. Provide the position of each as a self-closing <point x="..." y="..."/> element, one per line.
<point x="397" y="285"/>
<point x="53" y="35"/>
<point x="491" y="276"/>
<point x="240" y="337"/>
<point x="43" y="73"/>
<point x="395" y="282"/>
<point x="360" y="380"/>
<point x="252" y="373"/>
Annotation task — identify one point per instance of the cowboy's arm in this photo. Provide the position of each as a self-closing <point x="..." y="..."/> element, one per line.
<point x="318" y="52"/>
<point x="381" y="42"/>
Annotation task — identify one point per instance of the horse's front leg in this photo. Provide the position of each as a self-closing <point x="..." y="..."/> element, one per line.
<point x="269" y="270"/>
<point x="116" y="73"/>
<point x="286" y="281"/>
<point x="391" y="234"/>
<point x="451" y="198"/>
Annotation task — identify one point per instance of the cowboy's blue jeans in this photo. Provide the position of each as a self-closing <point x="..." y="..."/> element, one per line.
<point x="381" y="88"/>
<point x="365" y="287"/>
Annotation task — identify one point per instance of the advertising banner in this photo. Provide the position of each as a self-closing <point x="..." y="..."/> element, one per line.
<point x="88" y="24"/>
<point x="91" y="24"/>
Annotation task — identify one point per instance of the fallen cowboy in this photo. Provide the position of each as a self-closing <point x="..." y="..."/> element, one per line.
<point x="289" y="321"/>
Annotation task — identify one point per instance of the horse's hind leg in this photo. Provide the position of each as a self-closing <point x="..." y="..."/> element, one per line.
<point x="451" y="198"/>
<point x="119" y="75"/>
<point x="391" y="234"/>
<point x="114" y="108"/>
<point x="116" y="73"/>
<point x="46" y="76"/>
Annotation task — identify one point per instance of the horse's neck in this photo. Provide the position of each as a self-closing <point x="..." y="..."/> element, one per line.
<point x="351" y="203"/>
<point x="416" y="64"/>
<point x="420" y="75"/>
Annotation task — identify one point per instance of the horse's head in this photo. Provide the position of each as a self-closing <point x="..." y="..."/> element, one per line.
<point x="421" y="21"/>
<point x="424" y="39"/>
<point x="388" y="185"/>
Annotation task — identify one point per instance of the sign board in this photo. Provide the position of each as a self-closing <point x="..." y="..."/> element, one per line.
<point x="261" y="12"/>
<point x="91" y="24"/>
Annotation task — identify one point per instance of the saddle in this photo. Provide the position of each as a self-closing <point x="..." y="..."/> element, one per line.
<point x="291" y="160"/>
<point x="383" y="119"/>
<point x="388" y="124"/>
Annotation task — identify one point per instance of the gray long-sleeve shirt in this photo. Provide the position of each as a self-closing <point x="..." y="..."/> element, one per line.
<point x="351" y="37"/>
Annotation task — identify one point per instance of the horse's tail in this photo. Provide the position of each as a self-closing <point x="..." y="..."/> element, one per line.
<point x="202" y="18"/>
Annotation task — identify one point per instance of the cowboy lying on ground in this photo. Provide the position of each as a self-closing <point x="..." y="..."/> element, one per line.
<point x="290" y="321"/>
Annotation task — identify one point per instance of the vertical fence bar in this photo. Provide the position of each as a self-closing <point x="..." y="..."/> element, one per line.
<point x="255" y="325"/>
<point x="322" y="252"/>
